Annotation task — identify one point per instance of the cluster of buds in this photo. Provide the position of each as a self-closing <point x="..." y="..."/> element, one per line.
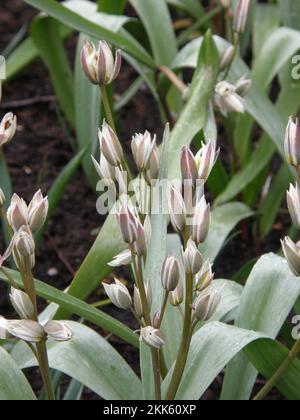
<point x="229" y="97"/>
<point x="99" y="65"/>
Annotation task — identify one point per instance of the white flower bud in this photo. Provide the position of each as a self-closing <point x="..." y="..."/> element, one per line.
<point x="128" y="224"/>
<point x="205" y="277"/>
<point x="110" y="145"/>
<point x="241" y="16"/>
<point x="21" y="303"/>
<point x="8" y="127"/>
<point x="118" y="294"/>
<point x="170" y="274"/>
<point x="152" y="173"/>
<point x="188" y="165"/>
<point x="227" y="57"/>
<point x="227" y="99"/>
<point x="17" y="213"/>
<point x="293" y="203"/>
<point x="124" y="258"/>
<point x="24" y="246"/>
<point x="176" y="297"/>
<point x="26" y="330"/>
<point x="292" y="143"/>
<point x="58" y="330"/>
<point x="201" y="221"/>
<point x="38" y="210"/>
<point x="206" y="159"/>
<point x="137" y="302"/>
<point x="177" y="209"/>
<point x="142" y="147"/>
<point x="206" y="305"/>
<point x="105" y="170"/>
<point x="152" y="337"/>
<point x="291" y="252"/>
<point x="192" y="258"/>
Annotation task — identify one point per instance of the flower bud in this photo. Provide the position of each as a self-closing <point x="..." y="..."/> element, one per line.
<point x="206" y="159"/>
<point x="192" y="258"/>
<point x="227" y="57"/>
<point x="24" y="247"/>
<point x="110" y="145"/>
<point x="241" y="16"/>
<point x="2" y="198"/>
<point x="3" y="329"/>
<point x="188" y="165"/>
<point x="292" y="143"/>
<point x="8" y="127"/>
<point x="291" y="252"/>
<point x="152" y="337"/>
<point x="118" y="294"/>
<point x="17" y="213"/>
<point x="140" y="245"/>
<point x="128" y="224"/>
<point x="156" y="321"/>
<point x="142" y="147"/>
<point x="21" y="303"/>
<point x="26" y="330"/>
<point x="177" y="209"/>
<point x="170" y="274"/>
<point x="293" y="203"/>
<point x="205" y="277"/>
<point x="137" y="302"/>
<point x="100" y="66"/>
<point x="206" y="305"/>
<point x="124" y="258"/>
<point x="38" y="210"/>
<point x="153" y="171"/>
<point x="227" y="99"/>
<point x="201" y="221"/>
<point x="242" y="86"/>
<point x="58" y="330"/>
<point x="105" y="170"/>
<point x="176" y="297"/>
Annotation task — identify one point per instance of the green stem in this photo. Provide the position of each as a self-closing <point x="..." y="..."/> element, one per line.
<point x="293" y="354"/>
<point x="106" y="104"/>
<point x="45" y="370"/>
<point x="163" y="309"/>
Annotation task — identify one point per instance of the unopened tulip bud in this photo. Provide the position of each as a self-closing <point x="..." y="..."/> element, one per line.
<point x="58" y="330"/>
<point x="118" y="294"/>
<point x="293" y="203"/>
<point x="206" y="305"/>
<point x="242" y="86"/>
<point x="177" y="209"/>
<point x="8" y="127"/>
<point x="201" y="221"/>
<point x="24" y="246"/>
<point x="152" y="337"/>
<point x="17" y="213"/>
<point x="291" y="252"/>
<point x="100" y="66"/>
<point x="227" y="57"/>
<point x="152" y="173"/>
<point x="192" y="258"/>
<point x="105" y="170"/>
<point x="128" y="224"/>
<point x="140" y="245"/>
<point x="3" y="329"/>
<point x="2" y="198"/>
<point x="137" y="302"/>
<point x="170" y="275"/>
<point x="142" y="147"/>
<point x="21" y="303"/>
<point x="176" y="297"/>
<point x="227" y="99"/>
<point x="26" y="330"/>
<point x="188" y="165"/>
<point x="38" y="210"/>
<point x="205" y="277"/>
<point x="241" y="16"/>
<point x="292" y="143"/>
<point x="124" y="258"/>
<point x="110" y="145"/>
<point x="206" y="159"/>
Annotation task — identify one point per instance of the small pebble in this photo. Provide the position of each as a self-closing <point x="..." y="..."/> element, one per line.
<point x="52" y="272"/>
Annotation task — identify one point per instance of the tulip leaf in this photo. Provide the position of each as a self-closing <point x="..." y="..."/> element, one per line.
<point x="268" y="298"/>
<point x="13" y="384"/>
<point x="79" y="308"/>
<point x="6" y="186"/>
<point x="115" y="7"/>
<point x="89" y="359"/>
<point x="193" y="7"/>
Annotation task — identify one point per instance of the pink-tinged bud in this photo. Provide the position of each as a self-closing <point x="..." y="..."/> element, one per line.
<point x="100" y="66"/>
<point x="143" y="236"/>
<point x="206" y="159"/>
<point x="137" y="302"/>
<point x="124" y="258"/>
<point x="118" y="294"/>
<point x="201" y="221"/>
<point x="105" y="170"/>
<point x="227" y="57"/>
<point x="152" y="337"/>
<point x="176" y="297"/>
<point x="153" y="171"/>
<point x="110" y="145"/>
<point x="206" y="305"/>
<point x="24" y="246"/>
<point x="26" y="330"/>
<point x="128" y="224"/>
<point x="170" y="274"/>
<point x="2" y="198"/>
<point x="177" y="209"/>
<point x="192" y="258"/>
<point x="241" y="16"/>
<point x="188" y="165"/>
<point x="8" y="127"/>
<point x="205" y="277"/>
<point x="142" y="147"/>
<point x="21" y="303"/>
<point x="17" y="213"/>
<point x="291" y="252"/>
<point x="38" y="210"/>
<point x="292" y="143"/>
<point x="227" y="100"/>
<point x="58" y="330"/>
<point x="293" y="203"/>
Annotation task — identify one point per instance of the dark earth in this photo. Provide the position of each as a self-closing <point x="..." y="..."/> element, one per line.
<point x="41" y="149"/>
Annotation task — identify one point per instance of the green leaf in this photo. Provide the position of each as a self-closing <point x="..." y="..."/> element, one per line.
<point x="158" y="24"/>
<point x="46" y="37"/>
<point x="89" y="359"/>
<point x="290" y="12"/>
<point x="266" y="20"/>
<point x="6" y="186"/>
<point x="224" y="219"/>
<point x="212" y="347"/>
<point x="115" y="7"/>
<point x="79" y="308"/>
<point x="13" y="384"/>
<point x="193" y="7"/>
<point x="268" y="298"/>
<point x="81" y="24"/>
<point x="57" y="190"/>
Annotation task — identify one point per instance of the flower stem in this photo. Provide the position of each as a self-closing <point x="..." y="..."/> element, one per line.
<point x="106" y="104"/>
<point x="163" y="309"/>
<point x="293" y="354"/>
<point x="177" y="82"/>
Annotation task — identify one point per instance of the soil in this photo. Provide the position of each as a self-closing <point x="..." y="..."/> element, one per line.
<point x="41" y="149"/>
